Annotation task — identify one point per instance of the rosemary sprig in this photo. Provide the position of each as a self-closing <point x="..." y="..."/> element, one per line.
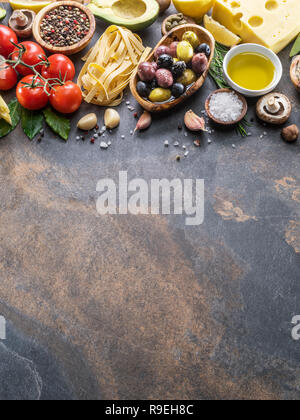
<point x="217" y="74"/>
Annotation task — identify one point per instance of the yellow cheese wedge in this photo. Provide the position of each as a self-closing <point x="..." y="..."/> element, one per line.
<point x="4" y="111"/>
<point x="272" y="23"/>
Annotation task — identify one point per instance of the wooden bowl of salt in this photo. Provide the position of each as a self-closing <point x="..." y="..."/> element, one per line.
<point x="226" y="107"/>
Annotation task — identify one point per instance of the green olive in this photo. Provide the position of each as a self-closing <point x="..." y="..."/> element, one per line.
<point x="160" y="95"/>
<point x="192" y="38"/>
<point x="188" y="78"/>
<point x="185" y="51"/>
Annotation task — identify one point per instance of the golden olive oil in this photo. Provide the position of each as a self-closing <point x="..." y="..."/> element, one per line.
<point x="251" y="71"/>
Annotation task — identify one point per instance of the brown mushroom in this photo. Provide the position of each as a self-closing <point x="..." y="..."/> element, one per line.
<point x="295" y="72"/>
<point x="274" y="108"/>
<point x="21" y="22"/>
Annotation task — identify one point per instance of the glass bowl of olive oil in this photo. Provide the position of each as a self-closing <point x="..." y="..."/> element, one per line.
<point x="252" y="69"/>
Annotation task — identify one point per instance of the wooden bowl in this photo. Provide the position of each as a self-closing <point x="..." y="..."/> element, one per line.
<point x="175" y="35"/>
<point x="163" y="27"/>
<point x="73" y="49"/>
<point x="243" y="114"/>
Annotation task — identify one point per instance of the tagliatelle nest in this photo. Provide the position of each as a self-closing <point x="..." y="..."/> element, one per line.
<point x="109" y="66"/>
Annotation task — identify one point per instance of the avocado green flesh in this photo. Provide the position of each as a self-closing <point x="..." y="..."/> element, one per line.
<point x="2" y="13"/>
<point x="135" y="15"/>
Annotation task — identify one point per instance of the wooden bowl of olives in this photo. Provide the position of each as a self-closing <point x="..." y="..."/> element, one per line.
<point x="173" y="21"/>
<point x="175" y="70"/>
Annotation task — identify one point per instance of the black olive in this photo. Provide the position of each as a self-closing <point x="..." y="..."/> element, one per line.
<point x="204" y="48"/>
<point x="178" y="69"/>
<point x="178" y="90"/>
<point x="154" y="84"/>
<point x="143" y="89"/>
<point x="165" y="61"/>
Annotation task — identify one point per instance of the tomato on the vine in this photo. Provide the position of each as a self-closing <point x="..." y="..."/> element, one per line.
<point x="7" y="36"/>
<point x="59" y="66"/>
<point x="66" y="98"/>
<point x="8" y="76"/>
<point x="31" y="94"/>
<point x="33" y="54"/>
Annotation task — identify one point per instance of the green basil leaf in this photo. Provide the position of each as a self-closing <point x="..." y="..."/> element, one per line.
<point x="57" y="123"/>
<point x="32" y="122"/>
<point x="15" y="114"/>
<point x="296" y="47"/>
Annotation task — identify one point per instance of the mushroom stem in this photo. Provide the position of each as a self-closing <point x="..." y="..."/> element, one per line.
<point x="273" y="105"/>
<point x="21" y="18"/>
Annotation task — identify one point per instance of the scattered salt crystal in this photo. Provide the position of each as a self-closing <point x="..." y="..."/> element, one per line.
<point x="186" y="154"/>
<point x="109" y="143"/>
<point x="234" y="146"/>
<point x="123" y="137"/>
<point x="176" y="144"/>
<point x="225" y="106"/>
<point x="166" y="143"/>
<point x="209" y="141"/>
<point x="103" y="145"/>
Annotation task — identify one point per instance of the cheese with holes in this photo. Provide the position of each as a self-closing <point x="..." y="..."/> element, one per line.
<point x="272" y="23"/>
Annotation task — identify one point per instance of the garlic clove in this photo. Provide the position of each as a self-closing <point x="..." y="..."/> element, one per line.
<point x="88" y="122"/>
<point x="193" y="122"/>
<point x="111" y="118"/>
<point x="144" y="122"/>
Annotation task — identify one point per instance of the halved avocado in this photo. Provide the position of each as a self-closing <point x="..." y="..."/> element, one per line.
<point x="133" y="14"/>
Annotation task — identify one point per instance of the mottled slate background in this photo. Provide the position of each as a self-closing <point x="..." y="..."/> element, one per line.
<point x="133" y="307"/>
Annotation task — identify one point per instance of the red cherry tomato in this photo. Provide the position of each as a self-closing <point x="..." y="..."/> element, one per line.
<point x="8" y="77"/>
<point x="66" y="98"/>
<point x="32" y="97"/>
<point x="33" y="54"/>
<point x="59" y="67"/>
<point x="7" y="36"/>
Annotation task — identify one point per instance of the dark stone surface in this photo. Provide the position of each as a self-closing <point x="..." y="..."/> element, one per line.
<point x="137" y="307"/>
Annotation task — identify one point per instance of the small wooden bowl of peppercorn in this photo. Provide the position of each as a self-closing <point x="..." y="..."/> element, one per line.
<point x="65" y="27"/>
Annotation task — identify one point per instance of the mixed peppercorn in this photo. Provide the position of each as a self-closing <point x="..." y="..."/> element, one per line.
<point x="65" y="26"/>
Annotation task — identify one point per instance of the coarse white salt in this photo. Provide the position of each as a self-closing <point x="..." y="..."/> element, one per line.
<point x="226" y="106"/>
